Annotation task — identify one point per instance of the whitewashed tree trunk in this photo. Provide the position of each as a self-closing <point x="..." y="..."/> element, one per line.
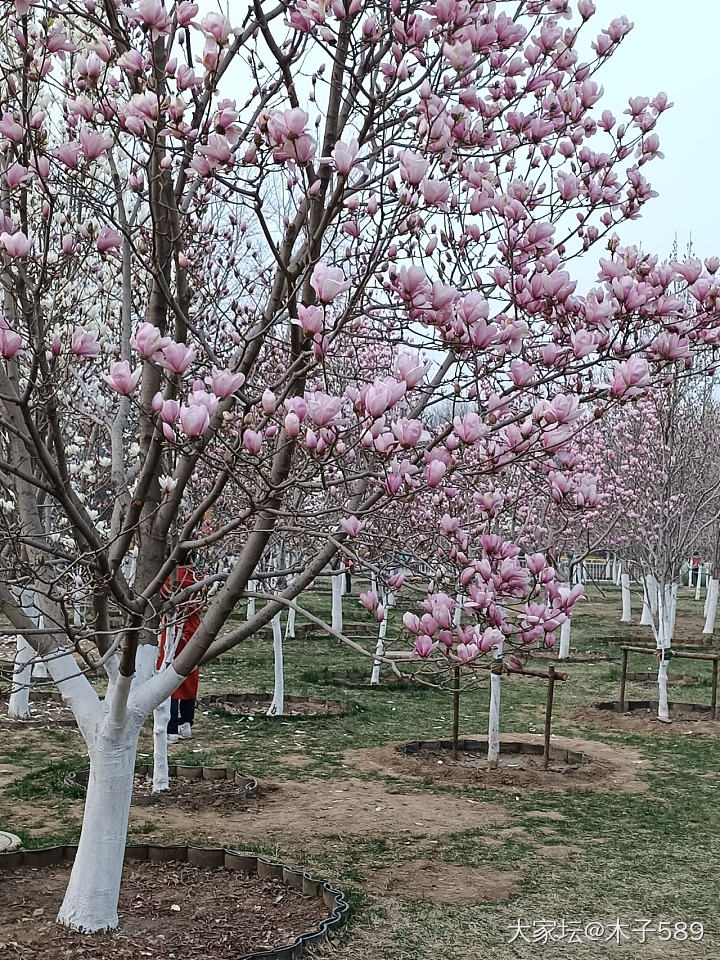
<point x="161" y="772"/>
<point x="19" y="705"/>
<point x="698" y="585"/>
<point x="711" y="606"/>
<point x="664" y="642"/>
<point x="145" y="666"/>
<point x="565" y="630"/>
<point x="625" y="593"/>
<point x="494" y="715"/>
<point x="617" y="571"/>
<point x="290" y="624"/>
<point x="277" y="707"/>
<point x="608" y="568"/>
<point x="39" y="670"/>
<point x="250" y="611"/>
<point x="672" y="607"/>
<point x="379" y="649"/>
<point x="336" y="621"/>
<point x="646" y="619"/>
<point x="91" y="899"/>
<point x="663" y="707"/>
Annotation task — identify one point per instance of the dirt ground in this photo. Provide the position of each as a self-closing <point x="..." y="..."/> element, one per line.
<point x="162" y="915"/>
<point x="610" y="769"/>
<point x="645" y="721"/>
<point x="310" y="811"/>
<point x="443" y="882"/>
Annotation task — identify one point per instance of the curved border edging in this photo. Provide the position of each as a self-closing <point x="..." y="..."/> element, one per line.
<point x="333" y="708"/>
<point x="213" y="858"/>
<point x="506" y="746"/>
<point x="630" y="705"/>
<point x="248" y="785"/>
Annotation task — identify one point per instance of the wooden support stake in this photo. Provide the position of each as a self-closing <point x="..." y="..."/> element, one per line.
<point x="548" y="714"/>
<point x="456" y="713"/>
<point x="713" y="698"/>
<point x="623" y="678"/>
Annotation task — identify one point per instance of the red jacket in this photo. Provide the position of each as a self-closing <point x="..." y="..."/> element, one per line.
<point x="186" y="619"/>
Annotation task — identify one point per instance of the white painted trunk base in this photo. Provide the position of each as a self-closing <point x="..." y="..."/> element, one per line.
<point x="250" y="612"/>
<point x="711" y="606"/>
<point x="91" y="898"/>
<point x="161" y="772"/>
<point x="663" y="710"/>
<point x="336" y="621"/>
<point x="290" y="624"/>
<point x="494" y="715"/>
<point x="625" y="592"/>
<point x="698" y="585"/>
<point x="379" y="650"/>
<point x="565" y="630"/>
<point x="494" y="721"/>
<point x="19" y="705"/>
<point x="277" y="707"/>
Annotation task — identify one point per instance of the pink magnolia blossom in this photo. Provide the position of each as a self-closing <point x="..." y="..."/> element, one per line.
<point x="344" y="155"/>
<point x="413" y="167"/>
<point x="15" y="244"/>
<point x="631" y="376"/>
<point x="352" y="526"/>
<point x="369" y="600"/>
<point x="121" y="378"/>
<point x="10" y="129"/>
<point x="84" y="343"/>
<point x="434" y="472"/>
<point x="195" y="420"/>
<point x="322" y="408"/>
<point x="148" y="341"/>
<point x="108" y="239"/>
<point x="225" y="382"/>
<point x="11" y="343"/>
<point x="328" y="282"/>
<point x="93" y="144"/>
<point x="176" y="357"/>
<point x="252" y="441"/>
<point x="424" y="646"/>
<point x="217" y="26"/>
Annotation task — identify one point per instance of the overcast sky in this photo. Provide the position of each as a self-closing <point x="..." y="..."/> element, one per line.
<point x="676" y="48"/>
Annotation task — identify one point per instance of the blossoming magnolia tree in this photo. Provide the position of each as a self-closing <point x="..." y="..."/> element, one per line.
<point x="189" y="361"/>
<point x="665" y="462"/>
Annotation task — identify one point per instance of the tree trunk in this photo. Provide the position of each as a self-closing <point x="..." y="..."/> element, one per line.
<point x="647" y="618"/>
<point x="91" y="898"/>
<point x="19" y="706"/>
<point x="625" y="592"/>
<point x="664" y="642"/>
<point x="337" y="615"/>
<point x="711" y="608"/>
<point x="290" y="624"/>
<point x="277" y="707"/>
<point x="379" y="650"/>
<point x="494" y="715"/>
<point x="565" y="630"/>
<point x="161" y="772"/>
<point x="698" y="585"/>
<point x="250" y="612"/>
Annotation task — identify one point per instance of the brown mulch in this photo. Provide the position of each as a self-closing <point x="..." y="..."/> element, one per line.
<point x="44" y="712"/>
<point x="684" y="723"/>
<point x="197" y="794"/>
<point x="610" y="769"/>
<point x="222" y="914"/>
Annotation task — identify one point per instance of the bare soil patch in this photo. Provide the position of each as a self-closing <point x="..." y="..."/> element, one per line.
<point x="257" y="704"/>
<point x="310" y="810"/>
<point x="223" y="914"/>
<point x="609" y="768"/>
<point x="441" y="882"/>
<point x="646" y="721"/>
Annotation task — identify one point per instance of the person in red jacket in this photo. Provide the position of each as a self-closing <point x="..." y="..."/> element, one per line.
<point x="177" y="632"/>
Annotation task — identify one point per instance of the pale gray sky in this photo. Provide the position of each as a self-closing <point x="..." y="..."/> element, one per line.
<point x="676" y="48"/>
